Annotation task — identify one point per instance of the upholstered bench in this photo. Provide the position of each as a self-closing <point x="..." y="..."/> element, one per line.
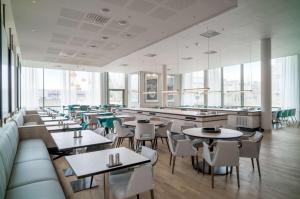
<point x="26" y="170"/>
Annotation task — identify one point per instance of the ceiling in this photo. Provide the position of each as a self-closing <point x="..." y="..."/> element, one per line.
<point x="238" y="42"/>
<point x="97" y="32"/>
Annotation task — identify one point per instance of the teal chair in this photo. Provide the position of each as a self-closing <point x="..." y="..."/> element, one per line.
<point x="108" y="123"/>
<point x="84" y="126"/>
<point x="84" y="107"/>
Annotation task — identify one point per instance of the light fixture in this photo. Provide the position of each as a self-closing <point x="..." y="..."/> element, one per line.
<point x="93" y="46"/>
<point x="34" y="2"/>
<point x="123" y="22"/>
<point x="104" y="37"/>
<point x="105" y="10"/>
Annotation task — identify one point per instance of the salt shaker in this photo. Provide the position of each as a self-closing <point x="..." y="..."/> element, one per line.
<point x="111" y="159"/>
<point x="75" y="134"/>
<point x="117" y="157"/>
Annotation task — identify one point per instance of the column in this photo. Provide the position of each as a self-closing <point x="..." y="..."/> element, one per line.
<point x="164" y="77"/>
<point x="266" y="84"/>
<point x="206" y="86"/>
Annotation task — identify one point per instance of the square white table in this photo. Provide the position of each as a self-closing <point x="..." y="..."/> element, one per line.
<point x="60" y="128"/>
<point x="58" y="118"/>
<point x="94" y="163"/>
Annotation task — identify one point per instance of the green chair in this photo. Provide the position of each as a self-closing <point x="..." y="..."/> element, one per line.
<point x="84" y="107"/>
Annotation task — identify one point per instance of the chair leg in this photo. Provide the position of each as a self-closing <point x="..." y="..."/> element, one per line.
<point x="167" y="144"/>
<point x="252" y="163"/>
<point x="174" y="160"/>
<point x="197" y="164"/>
<point x="170" y="159"/>
<point x="152" y="193"/>
<point x="162" y="140"/>
<point x="203" y="166"/>
<point x="238" y="175"/>
<point x="138" y="196"/>
<point x="231" y="170"/>
<point x="212" y="177"/>
<point x="193" y="161"/>
<point x="258" y="167"/>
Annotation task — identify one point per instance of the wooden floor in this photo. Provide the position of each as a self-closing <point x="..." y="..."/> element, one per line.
<point x="280" y="166"/>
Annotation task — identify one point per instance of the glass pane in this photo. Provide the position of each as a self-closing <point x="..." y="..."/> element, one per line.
<point x="4" y="72"/>
<point x="116" y="97"/>
<point x="252" y="84"/>
<point x="190" y="81"/>
<point x="133" y="89"/>
<point x="171" y="87"/>
<point x="53" y="85"/>
<point x="232" y="85"/>
<point x="214" y="84"/>
<point x="116" y="80"/>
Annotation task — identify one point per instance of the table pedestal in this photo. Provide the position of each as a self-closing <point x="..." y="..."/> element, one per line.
<point x="82" y="184"/>
<point x="217" y="170"/>
<point x="68" y="172"/>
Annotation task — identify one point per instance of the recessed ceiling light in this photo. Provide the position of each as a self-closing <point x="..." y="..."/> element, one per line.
<point x="124" y="65"/>
<point x="33" y="30"/>
<point x="210" y="52"/>
<point x="105" y="37"/>
<point x="34" y="2"/>
<point x="128" y="35"/>
<point x="151" y="55"/>
<point x="93" y="46"/>
<point x="123" y="22"/>
<point x="105" y="10"/>
<point x="187" y="58"/>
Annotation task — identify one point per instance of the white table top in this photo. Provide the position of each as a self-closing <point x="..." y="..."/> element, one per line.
<point x="60" y="128"/>
<point x="134" y="123"/>
<point x="47" y="119"/>
<point x="55" y="123"/>
<point x="224" y="134"/>
<point x="66" y="140"/>
<point x="93" y="163"/>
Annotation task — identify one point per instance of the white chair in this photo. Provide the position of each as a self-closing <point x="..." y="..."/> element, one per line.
<point x="226" y="153"/>
<point x="144" y="132"/>
<point x="123" y="133"/>
<point x="183" y="148"/>
<point x="110" y="136"/>
<point x="133" y="183"/>
<point x="161" y="132"/>
<point x="100" y="131"/>
<point x="250" y="148"/>
<point x="151" y="154"/>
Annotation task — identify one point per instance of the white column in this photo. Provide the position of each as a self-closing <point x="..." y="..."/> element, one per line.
<point x="164" y="100"/>
<point x="205" y="86"/>
<point x="266" y="84"/>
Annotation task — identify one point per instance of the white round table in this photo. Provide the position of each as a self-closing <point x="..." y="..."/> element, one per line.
<point x="224" y="134"/>
<point x="134" y="123"/>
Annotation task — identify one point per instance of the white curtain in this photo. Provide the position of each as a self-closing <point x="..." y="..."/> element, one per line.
<point x="31" y="87"/>
<point x="286" y="83"/>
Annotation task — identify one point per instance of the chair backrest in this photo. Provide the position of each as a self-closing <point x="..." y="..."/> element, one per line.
<point x="100" y="131"/>
<point x="171" y="142"/>
<point x="251" y="148"/>
<point x="145" y="131"/>
<point x="120" y="130"/>
<point x="19" y="119"/>
<point x="162" y="130"/>
<point x="151" y="154"/>
<point x="113" y="138"/>
<point x="227" y="154"/>
<point x="141" y="180"/>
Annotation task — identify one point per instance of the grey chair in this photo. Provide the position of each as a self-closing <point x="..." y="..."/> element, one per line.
<point x="250" y="148"/>
<point x="161" y="132"/>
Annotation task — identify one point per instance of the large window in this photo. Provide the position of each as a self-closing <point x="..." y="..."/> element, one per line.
<point x="133" y="90"/>
<point x="190" y="84"/>
<point x="252" y="84"/>
<point x="285" y="82"/>
<point x="232" y="85"/>
<point x="32" y="87"/>
<point x="59" y="87"/>
<point x="214" y="84"/>
<point x="116" y="88"/>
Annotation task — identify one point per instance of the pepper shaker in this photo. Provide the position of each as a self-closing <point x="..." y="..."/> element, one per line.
<point x="111" y="159"/>
<point x="117" y="157"/>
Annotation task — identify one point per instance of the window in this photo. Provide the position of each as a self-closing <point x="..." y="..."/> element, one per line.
<point x="285" y="82"/>
<point x="232" y="85"/>
<point x="133" y="90"/>
<point x="252" y="84"/>
<point x="192" y="80"/>
<point x="4" y="77"/>
<point x="214" y="84"/>
<point x="171" y="87"/>
<point x="31" y="87"/>
<point x="116" y="85"/>
<point x="116" y="80"/>
<point x="53" y="87"/>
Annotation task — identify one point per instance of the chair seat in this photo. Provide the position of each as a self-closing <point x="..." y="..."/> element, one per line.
<point x="30" y="123"/>
<point x="31" y="150"/>
<point x="31" y="172"/>
<point x="49" y="189"/>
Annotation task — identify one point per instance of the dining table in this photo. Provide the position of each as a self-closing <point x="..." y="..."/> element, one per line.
<point x="135" y="122"/>
<point x="211" y="136"/>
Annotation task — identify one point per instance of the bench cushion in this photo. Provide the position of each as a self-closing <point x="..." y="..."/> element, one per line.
<point x="44" y="190"/>
<point x="19" y="119"/>
<point x="33" y="149"/>
<point x="7" y="153"/>
<point x="31" y="172"/>
<point x="30" y="123"/>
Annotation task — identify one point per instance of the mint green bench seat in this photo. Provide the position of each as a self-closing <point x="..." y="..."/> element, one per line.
<point x="26" y="170"/>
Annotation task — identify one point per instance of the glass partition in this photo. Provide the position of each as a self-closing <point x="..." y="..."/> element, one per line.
<point x="133" y="90"/>
<point x="192" y="81"/>
<point x="232" y="85"/>
<point x="214" y="84"/>
<point x="252" y="84"/>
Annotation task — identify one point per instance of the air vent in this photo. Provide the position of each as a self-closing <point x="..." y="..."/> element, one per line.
<point x="96" y="19"/>
<point x="210" y="33"/>
<point x="210" y="52"/>
<point x="151" y="55"/>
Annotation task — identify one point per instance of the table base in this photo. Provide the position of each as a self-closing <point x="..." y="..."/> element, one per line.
<point x="68" y="172"/>
<point x="83" y="184"/>
<point x="217" y="170"/>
